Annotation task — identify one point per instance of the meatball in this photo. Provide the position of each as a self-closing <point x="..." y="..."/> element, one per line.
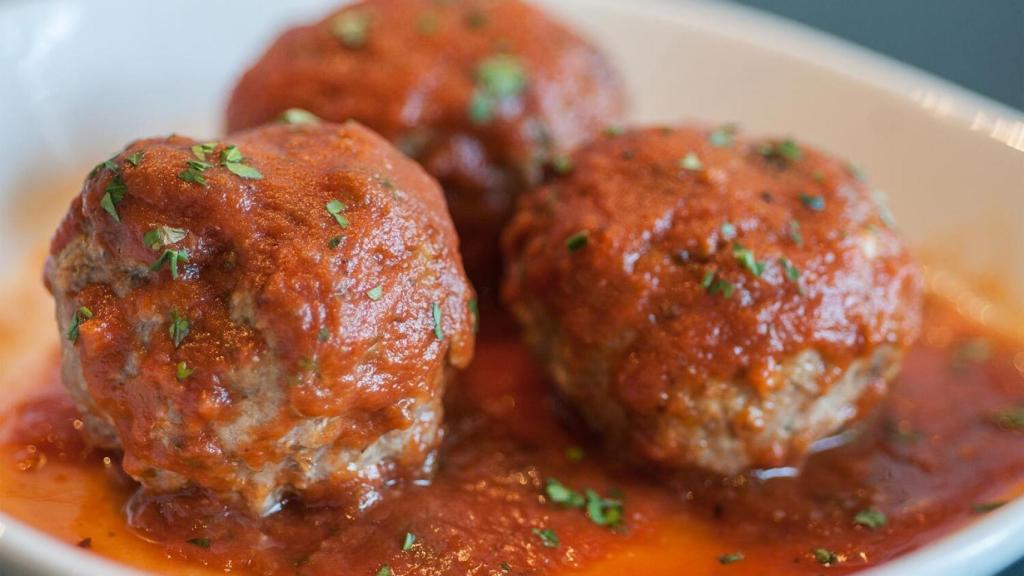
<point x="484" y="93"/>
<point x="269" y="315"/>
<point x="711" y="301"/>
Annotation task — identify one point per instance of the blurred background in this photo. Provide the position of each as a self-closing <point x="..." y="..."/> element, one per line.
<point x="976" y="43"/>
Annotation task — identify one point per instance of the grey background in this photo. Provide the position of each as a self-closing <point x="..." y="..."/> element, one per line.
<point x="976" y="43"/>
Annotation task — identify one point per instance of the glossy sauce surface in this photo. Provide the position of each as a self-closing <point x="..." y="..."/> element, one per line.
<point x="943" y="447"/>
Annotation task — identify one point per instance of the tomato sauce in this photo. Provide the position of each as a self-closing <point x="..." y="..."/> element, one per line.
<point x="943" y="449"/>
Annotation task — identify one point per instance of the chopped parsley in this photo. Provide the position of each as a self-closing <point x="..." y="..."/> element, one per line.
<point x="563" y="495"/>
<point x="714" y="285"/>
<point x="182" y="371"/>
<point x="201" y="150"/>
<point x="232" y="159"/>
<point x="435" y="311"/>
<point x="547" y="537"/>
<point x="136" y="158"/>
<point x="505" y="567"/>
<point x="298" y="116"/>
<point x="352" y="28"/>
<point x="562" y="164"/>
<point x="200" y="542"/>
<point x="985" y="507"/>
<point x="781" y="153"/>
<point x="474" y="313"/>
<point x="730" y="558"/>
<point x="794" y="232"/>
<point x="816" y="203"/>
<point x="824" y="556"/>
<point x="792" y="272"/>
<point x="113" y="194"/>
<point x="171" y="258"/>
<point x="691" y="162"/>
<point x="578" y="241"/>
<point x="162" y="236"/>
<point x="334" y="242"/>
<point x="408" y="541"/>
<point x="728" y="231"/>
<point x="574" y="454"/>
<point x="477" y="19"/>
<point x="375" y="293"/>
<point x="871" y="518"/>
<point x="193" y="171"/>
<point x="1012" y="419"/>
<point x="498" y="78"/>
<point x="79" y="318"/>
<point x="323" y="335"/>
<point x="747" y="260"/>
<point x="723" y="136"/>
<point x="335" y="209"/>
<point x="178" y="329"/>
<point x="614" y="131"/>
<point x="603" y="511"/>
<point x="385" y="570"/>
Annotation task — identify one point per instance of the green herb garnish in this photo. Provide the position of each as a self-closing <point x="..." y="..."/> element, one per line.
<point x="171" y="258"/>
<point x="136" y="158"/>
<point x="201" y="150"/>
<point x="498" y="78"/>
<point x="298" y="116"/>
<point x="1012" y="419"/>
<point x="722" y="137"/>
<point x="715" y="285"/>
<point x="435" y="311"/>
<point x="691" y="162"/>
<point x="79" y="318"/>
<point x="352" y="28"/>
<point x="781" y="153"/>
<point x="730" y="558"/>
<point x="335" y="209"/>
<point x="182" y="371"/>
<point x="162" y="236"/>
<point x="728" y="231"/>
<point x="578" y="241"/>
<point x="408" y="541"/>
<point x="375" y="293"/>
<point x="563" y="495"/>
<point x="112" y="195"/>
<point x="547" y="536"/>
<point x="334" y="242"/>
<point x="574" y="454"/>
<point x="824" y="556"/>
<point x="985" y="507"/>
<point x="474" y="313"/>
<point x="613" y="131"/>
<point x="871" y="518"/>
<point x="193" y="171"/>
<point x="562" y="164"/>
<point x="200" y="542"/>
<point x="477" y="19"/>
<point x="792" y="272"/>
<point x="793" y="230"/>
<point x="816" y="203"/>
<point x="178" y="329"/>
<point x="746" y="259"/>
<point x="232" y="159"/>
<point x="603" y="511"/>
<point x="385" y="570"/>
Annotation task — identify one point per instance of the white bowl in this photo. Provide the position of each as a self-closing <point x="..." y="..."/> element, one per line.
<point x="83" y="77"/>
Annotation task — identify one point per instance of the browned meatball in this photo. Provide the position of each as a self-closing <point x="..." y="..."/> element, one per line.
<point x="483" y="93"/>
<point x="712" y="301"/>
<point x="275" y="313"/>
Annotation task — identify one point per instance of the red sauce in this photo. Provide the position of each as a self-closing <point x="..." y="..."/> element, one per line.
<point x="929" y="454"/>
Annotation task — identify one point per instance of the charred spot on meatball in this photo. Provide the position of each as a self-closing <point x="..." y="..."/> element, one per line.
<point x="709" y="300"/>
<point x="272" y="314"/>
<point x="486" y="94"/>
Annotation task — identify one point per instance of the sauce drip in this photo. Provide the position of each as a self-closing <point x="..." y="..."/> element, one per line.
<point x="942" y="449"/>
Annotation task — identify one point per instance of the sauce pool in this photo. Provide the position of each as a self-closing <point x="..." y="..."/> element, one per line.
<point x="943" y="449"/>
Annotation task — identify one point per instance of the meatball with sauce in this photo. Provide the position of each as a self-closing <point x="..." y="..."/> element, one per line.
<point x="712" y="301"/>
<point x="272" y="314"/>
<point x="485" y="94"/>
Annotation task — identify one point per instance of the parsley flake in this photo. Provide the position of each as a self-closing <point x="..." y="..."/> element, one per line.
<point x="79" y="318"/>
<point x="193" y="172"/>
<point x="730" y="558"/>
<point x="435" y="311"/>
<point x="1012" y="419"/>
<point x="498" y="78"/>
<point x="474" y="313"/>
<point x="793" y="231"/>
<point x="352" y="28"/>
<point x="871" y="518"/>
<point x="816" y="203"/>
<point x="578" y="241"/>
<point x="824" y="556"/>
<point x="603" y="511"/>
<point x="722" y="137"/>
<point x="408" y="541"/>
<point x="335" y="209"/>
<point x="201" y="150"/>
<point x="563" y="165"/>
<point x="385" y="570"/>
<point x="728" y="231"/>
<point x="691" y="162"/>
<point x="561" y="494"/>
<point x="178" y="329"/>
<point x="780" y="153"/>
<point x="792" y="272"/>
<point x="613" y="131"/>
<point x="232" y="159"/>
<point x="182" y="371"/>
<point x="985" y="507"/>
<point x="171" y="258"/>
<point x="200" y="542"/>
<point x="162" y="236"/>
<point x="375" y="293"/>
<point x="547" y="537"/>
<point x="112" y="195"/>
<point x="298" y="116"/>
<point x="334" y="242"/>
<point x="746" y="259"/>
<point x="136" y="158"/>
